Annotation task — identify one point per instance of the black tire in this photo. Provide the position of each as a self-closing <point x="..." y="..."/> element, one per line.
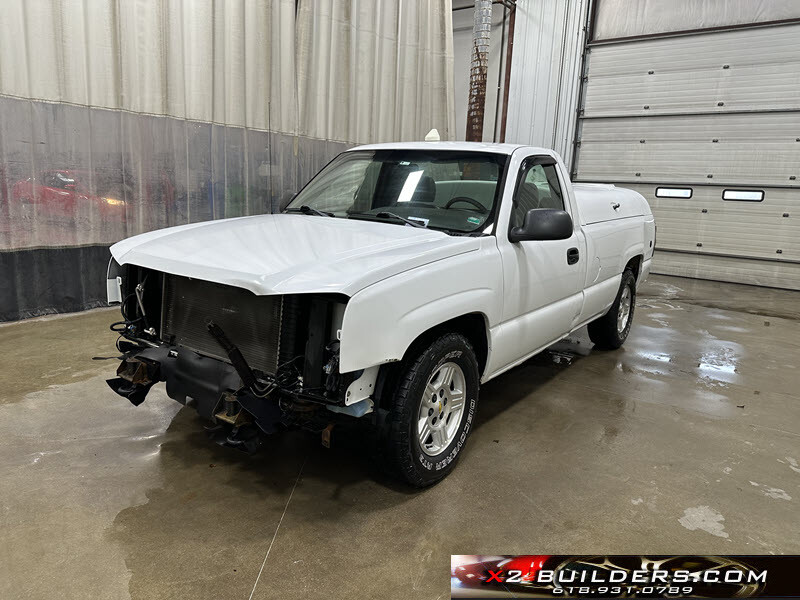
<point x="604" y="331"/>
<point x="403" y="454"/>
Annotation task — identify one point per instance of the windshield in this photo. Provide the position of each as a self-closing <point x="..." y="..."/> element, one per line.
<point x="451" y="190"/>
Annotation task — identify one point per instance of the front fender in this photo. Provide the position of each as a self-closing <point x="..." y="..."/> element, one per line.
<point x="381" y="321"/>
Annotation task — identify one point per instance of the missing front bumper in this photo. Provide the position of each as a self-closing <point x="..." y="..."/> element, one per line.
<point x="208" y="385"/>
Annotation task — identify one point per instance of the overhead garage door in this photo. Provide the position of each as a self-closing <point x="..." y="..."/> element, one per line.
<point x="706" y="125"/>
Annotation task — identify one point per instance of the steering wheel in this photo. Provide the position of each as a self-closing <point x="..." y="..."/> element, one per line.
<point x="474" y="203"/>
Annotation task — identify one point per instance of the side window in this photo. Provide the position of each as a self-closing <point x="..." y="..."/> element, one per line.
<point x="537" y="187"/>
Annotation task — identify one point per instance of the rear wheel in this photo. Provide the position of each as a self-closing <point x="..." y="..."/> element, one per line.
<point x="432" y="410"/>
<point x="611" y="330"/>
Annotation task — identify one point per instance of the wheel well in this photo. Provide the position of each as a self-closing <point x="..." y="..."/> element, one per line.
<point x="472" y="326"/>
<point x="635" y="265"/>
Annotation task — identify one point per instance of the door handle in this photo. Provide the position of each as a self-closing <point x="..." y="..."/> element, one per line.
<point x="572" y="256"/>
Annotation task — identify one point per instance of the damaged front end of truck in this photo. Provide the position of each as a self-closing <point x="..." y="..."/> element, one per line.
<point x="248" y="364"/>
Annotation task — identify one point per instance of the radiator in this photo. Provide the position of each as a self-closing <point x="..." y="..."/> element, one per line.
<point x="252" y="323"/>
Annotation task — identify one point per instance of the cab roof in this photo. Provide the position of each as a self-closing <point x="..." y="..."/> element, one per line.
<point x="465" y="146"/>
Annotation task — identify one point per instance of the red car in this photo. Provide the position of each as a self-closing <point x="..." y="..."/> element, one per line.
<point x="65" y="194"/>
<point x="515" y="570"/>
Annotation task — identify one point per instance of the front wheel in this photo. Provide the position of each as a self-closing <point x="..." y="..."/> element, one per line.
<point x="611" y="330"/>
<point x="432" y="410"/>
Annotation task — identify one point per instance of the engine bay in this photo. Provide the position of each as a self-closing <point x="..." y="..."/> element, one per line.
<point x="249" y="364"/>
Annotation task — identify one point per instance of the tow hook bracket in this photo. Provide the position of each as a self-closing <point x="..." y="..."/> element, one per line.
<point x="232" y="412"/>
<point x="135" y="378"/>
<point x="137" y="372"/>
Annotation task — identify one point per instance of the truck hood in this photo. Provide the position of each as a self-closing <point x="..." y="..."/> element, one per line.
<point x="290" y="253"/>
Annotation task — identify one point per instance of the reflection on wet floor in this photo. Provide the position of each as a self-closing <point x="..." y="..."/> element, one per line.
<point x="683" y="440"/>
<point x="718" y="361"/>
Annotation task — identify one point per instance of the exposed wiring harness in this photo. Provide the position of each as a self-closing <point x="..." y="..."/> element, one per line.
<point x="121" y="327"/>
<point x="285" y="379"/>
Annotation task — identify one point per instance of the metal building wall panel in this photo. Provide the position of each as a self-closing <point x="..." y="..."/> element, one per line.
<point x="689" y="74"/>
<point x="720" y="234"/>
<point x="750" y="149"/>
<point x="763" y="126"/>
<point x="545" y="73"/>
<point x="734" y="228"/>
<point x="708" y="111"/>
<point x="735" y="270"/>
<point x="624" y="18"/>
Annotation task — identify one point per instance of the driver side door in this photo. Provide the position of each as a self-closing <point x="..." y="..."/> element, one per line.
<point x="543" y="280"/>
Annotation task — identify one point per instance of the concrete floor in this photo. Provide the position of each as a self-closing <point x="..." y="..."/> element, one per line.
<point x="687" y="440"/>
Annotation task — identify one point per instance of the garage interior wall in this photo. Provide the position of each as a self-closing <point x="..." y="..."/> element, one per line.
<point x="695" y="104"/>
<point x="627" y="18"/>
<point x="545" y="74"/>
<point x="117" y="118"/>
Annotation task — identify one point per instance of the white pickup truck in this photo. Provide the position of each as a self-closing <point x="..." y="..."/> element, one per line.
<point x="396" y="282"/>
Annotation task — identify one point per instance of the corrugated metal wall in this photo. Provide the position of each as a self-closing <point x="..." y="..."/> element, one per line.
<point x="697" y="114"/>
<point x="118" y="117"/>
<point x="545" y="73"/>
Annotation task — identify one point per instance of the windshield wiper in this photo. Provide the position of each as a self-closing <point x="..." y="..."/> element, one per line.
<point x="307" y="210"/>
<point x="384" y="214"/>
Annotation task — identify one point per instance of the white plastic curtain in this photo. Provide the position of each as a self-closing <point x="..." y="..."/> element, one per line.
<point x="122" y="116"/>
<point x="229" y="62"/>
<point x="370" y="70"/>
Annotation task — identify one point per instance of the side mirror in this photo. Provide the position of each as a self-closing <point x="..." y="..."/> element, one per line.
<point x="543" y="224"/>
